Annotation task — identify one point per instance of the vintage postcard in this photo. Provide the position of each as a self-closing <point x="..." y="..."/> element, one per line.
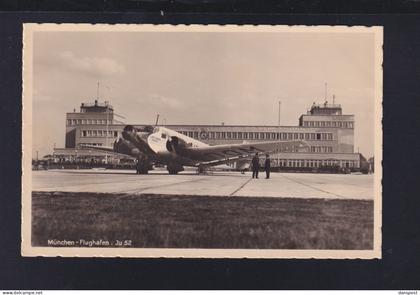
<point x="202" y="141"/>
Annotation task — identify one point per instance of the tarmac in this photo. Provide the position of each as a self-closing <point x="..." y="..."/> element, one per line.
<point x="235" y="184"/>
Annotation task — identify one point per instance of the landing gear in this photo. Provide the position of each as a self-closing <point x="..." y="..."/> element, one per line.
<point x="174" y="168"/>
<point x="142" y="166"/>
<point x="142" y="170"/>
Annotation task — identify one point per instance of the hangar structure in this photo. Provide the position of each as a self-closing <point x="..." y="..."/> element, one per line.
<point x="328" y="131"/>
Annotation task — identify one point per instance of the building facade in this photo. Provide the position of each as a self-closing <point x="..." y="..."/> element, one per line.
<point x="93" y="124"/>
<point x="329" y="133"/>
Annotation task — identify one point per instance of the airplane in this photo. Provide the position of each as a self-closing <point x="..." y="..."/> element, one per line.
<point x="163" y="146"/>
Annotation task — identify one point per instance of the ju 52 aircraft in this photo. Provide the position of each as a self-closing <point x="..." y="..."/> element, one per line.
<point x="160" y="145"/>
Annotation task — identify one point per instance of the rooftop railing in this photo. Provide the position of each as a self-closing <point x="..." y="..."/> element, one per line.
<point x="326" y="105"/>
<point x="99" y="104"/>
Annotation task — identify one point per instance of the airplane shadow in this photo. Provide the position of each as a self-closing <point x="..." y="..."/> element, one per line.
<point x="153" y="173"/>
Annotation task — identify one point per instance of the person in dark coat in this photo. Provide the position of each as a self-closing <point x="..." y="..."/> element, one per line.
<point x="255" y="165"/>
<point x="267" y="166"/>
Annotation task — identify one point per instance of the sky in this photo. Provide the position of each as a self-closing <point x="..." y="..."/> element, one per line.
<point x="201" y="78"/>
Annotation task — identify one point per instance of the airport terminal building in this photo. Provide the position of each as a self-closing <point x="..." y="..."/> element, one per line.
<point x="329" y="133"/>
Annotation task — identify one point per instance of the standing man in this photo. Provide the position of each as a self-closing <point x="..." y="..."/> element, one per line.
<point x="267" y="166"/>
<point x="255" y="166"/>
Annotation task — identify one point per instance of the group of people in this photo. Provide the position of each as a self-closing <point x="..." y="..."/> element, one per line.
<point x="256" y="166"/>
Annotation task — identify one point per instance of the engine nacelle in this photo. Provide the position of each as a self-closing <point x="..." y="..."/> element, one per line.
<point x="176" y="145"/>
<point x="136" y="137"/>
<point x="123" y="146"/>
<point x="129" y="129"/>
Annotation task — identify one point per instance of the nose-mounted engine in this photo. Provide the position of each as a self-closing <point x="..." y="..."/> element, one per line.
<point x="176" y="145"/>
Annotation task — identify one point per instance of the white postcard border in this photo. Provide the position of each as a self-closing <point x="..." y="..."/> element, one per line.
<point x="28" y="250"/>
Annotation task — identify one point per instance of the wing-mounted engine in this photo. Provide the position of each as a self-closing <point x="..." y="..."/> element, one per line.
<point x="131" y="129"/>
<point x="123" y="146"/>
<point x="137" y="137"/>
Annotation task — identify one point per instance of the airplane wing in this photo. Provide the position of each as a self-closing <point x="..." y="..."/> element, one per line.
<point x="219" y="154"/>
<point x="106" y="150"/>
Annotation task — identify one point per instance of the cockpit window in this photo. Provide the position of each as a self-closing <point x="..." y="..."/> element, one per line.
<point x="163" y="135"/>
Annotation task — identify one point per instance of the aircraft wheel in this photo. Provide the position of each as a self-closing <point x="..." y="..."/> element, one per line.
<point x="142" y="168"/>
<point x="174" y="169"/>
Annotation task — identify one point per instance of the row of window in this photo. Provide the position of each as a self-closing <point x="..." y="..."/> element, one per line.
<point x="321" y="149"/>
<point x="96" y="144"/>
<point x="88" y="122"/>
<point x="98" y="133"/>
<point x="316" y="163"/>
<point x="338" y="124"/>
<point x="259" y="135"/>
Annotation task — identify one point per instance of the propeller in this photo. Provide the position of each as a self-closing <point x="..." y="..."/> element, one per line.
<point x="175" y="144"/>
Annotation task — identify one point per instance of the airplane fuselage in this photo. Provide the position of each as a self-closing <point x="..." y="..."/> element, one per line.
<point x="161" y="143"/>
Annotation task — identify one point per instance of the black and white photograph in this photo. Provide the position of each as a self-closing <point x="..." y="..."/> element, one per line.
<point x="202" y="141"/>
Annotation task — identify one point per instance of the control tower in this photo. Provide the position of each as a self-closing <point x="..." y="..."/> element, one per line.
<point x="330" y="117"/>
<point x="91" y="116"/>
